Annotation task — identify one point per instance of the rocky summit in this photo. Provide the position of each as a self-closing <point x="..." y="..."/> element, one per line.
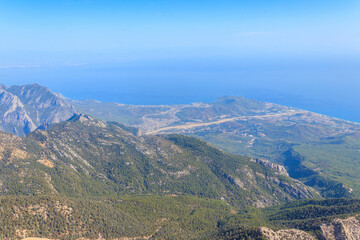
<point x="26" y="108"/>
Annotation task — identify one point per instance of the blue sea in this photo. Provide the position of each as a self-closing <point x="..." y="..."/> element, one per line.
<point x="325" y="86"/>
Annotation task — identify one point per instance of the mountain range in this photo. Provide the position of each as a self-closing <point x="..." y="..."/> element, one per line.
<point x="87" y="179"/>
<point x="87" y="157"/>
<point x="90" y="170"/>
<point x="320" y="151"/>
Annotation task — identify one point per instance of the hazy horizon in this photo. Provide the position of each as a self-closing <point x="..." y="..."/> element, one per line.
<point x="303" y="54"/>
<point x="312" y="86"/>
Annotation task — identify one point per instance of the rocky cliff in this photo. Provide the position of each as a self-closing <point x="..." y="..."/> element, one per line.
<point x="25" y="108"/>
<point x="338" y="229"/>
<point x="286" y="234"/>
<point x="342" y="229"/>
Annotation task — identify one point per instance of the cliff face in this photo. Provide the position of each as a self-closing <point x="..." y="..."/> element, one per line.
<point x="14" y="118"/>
<point x="338" y="229"/>
<point x="342" y="229"/>
<point x="25" y="108"/>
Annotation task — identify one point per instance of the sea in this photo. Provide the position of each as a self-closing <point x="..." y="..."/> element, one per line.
<point x="330" y="87"/>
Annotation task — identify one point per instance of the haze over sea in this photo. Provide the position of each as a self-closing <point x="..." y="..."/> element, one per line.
<point x="329" y="87"/>
<point x="303" y="54"/>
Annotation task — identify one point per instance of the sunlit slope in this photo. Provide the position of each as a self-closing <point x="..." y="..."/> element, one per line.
<point x="84" y="157"/>
<point x="172" y="217"/>
<point x="124" y="217"/>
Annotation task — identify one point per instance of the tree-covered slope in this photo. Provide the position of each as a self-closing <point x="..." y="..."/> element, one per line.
<point x="84" y="157"/>
<point x="174" y="217"/>
<point x="304" y="219"/>
<point x="336" y="159"/>
<point x="125" y="217"/>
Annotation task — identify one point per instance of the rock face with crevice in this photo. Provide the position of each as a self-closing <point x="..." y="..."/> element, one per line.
<point x="342" y="229"/>
<point x="338" y="229"/>
<point x="26" y="108"/>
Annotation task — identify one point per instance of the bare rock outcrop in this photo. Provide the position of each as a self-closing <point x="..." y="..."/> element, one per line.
<point x="278" y="168"/>
<point x="286" y="234"/>
<point x="25" y="108"/>
<point x="342" y="229"/>
<point x="338" y="229"/>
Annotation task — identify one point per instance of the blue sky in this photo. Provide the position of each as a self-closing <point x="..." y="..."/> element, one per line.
<point x="62" y="32"/>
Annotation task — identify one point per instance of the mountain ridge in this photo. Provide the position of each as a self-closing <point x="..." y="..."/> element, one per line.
<point x="88" y="150"/>
<point x="26" y="108"/>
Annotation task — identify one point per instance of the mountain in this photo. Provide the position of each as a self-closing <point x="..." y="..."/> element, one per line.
<point x="88" y="179"/>
<point x="84" y="178"/>
<point x="84" y="157"/>
<point x="25" y="108"/>
<point x="319" y="150"/>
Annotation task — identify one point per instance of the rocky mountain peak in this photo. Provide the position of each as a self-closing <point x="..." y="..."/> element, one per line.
<point x="86" y="120"/>
<point x="26" y="108"/>
<point x="80" y="117"/>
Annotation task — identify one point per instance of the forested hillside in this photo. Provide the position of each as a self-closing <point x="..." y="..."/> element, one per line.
<point x="84" y="157"/>
<point x="173" y="217"/>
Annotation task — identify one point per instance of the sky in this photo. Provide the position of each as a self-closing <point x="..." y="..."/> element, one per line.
<point x="71" y="32"/>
